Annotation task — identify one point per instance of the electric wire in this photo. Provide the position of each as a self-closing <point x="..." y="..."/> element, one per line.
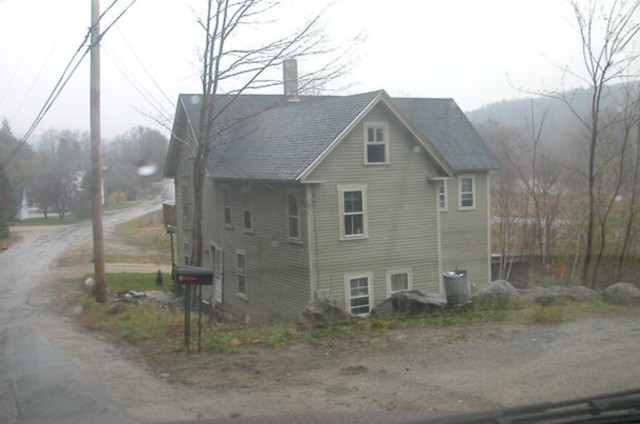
<point x="144" y="68"/>
<point x="22" y="57"/>
<point x="66" y="75"/>
<point x="139" y="87"/>
<point x="103" y="33"/>
<point x="40" y="72"/>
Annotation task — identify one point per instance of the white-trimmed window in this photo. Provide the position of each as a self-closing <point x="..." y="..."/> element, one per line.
<point x="293" y="217"/>
<point x="376" y="143"/>
<point x="358" y="293"/>
<point x="247" y="218"/>
<point x="353" y="211"/>
<point x="226" y="200"/>
<point x="398" y="280"/>
<point x="442" y="195"/>
<point x="466" y="187"/>
<point x="241" y="273"/>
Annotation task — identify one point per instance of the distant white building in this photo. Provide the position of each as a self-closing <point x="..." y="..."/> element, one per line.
<point x="23" y="212"/>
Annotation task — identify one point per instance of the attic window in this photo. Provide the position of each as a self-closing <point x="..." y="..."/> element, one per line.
<point x="376" y="136"/>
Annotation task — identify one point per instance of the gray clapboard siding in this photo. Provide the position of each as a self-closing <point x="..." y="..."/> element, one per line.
<point x="465" y="233"/>
<point x="277" y="269"/>
<point x="210" y="220"/>
<point x="401" y="213"/>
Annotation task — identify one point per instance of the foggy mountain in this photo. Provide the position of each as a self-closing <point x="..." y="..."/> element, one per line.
<point x="562" y="132"/>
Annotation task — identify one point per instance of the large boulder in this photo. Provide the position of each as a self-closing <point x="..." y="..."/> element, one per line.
<point x="321" y="312"/>
<point x="409" y="302"/>
<point x="560" y="294"/>
<point x="584" y="294"/>
<point x="499" y="292"/>
<point x="622" y="294"/>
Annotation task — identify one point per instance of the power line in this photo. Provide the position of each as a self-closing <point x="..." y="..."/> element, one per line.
<point x="22" y="56"/>
<point x="117" y="17"/>
<point x="66" y="75"/>
<point x="144" y="68"/>
<point x="146" y="94"/>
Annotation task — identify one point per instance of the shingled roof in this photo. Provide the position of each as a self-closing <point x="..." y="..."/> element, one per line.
<point x="267" y="137"/>
<point x="448" y="128"/>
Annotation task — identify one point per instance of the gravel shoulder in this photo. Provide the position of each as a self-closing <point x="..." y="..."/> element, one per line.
<point x="456" y="368"/>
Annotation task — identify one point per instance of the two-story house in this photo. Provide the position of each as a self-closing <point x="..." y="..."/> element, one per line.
<point x="348" y="198"/>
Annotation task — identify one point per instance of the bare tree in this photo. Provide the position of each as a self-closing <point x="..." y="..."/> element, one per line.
<point x="607" y="35"/>
<point x="232" y="66"/>
<point x="506" y="193"/>
<point x="632" y="208"/>
<point x="62" y="156"/>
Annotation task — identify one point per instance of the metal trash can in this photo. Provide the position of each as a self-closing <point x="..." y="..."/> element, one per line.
<point x="457" y="287"/>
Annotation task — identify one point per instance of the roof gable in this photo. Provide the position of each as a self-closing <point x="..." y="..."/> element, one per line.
<point x="267" y="137"/>
<point x="282" y="140"/>
<point x="384" y="98"/>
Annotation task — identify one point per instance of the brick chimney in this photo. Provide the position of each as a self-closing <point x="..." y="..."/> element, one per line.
<point x="290" y="74"/>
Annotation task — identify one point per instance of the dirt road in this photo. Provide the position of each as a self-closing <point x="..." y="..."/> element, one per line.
<point x="456" y="368"/>
<point x="50" y="372"/>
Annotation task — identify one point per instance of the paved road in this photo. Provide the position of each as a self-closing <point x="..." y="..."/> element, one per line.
<point x="39" y="381"/>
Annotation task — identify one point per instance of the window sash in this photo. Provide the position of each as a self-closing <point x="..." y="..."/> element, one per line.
<point x="353" y="224"/>
<point x="376" y="143"/>
<point x="293" y="216"/>
<point x="442" y="195"/>
<point x="241" y="271"/>
<point x="352" y="204"/>
<point x="376" y="153"/>
<point x="246" y="215"/>
<point x="467" y="196"/>
<point x="359" y="295"/>
<point x="227" y="207"/>
<point x="353" y="213"/>
<point x="399" y="281"/>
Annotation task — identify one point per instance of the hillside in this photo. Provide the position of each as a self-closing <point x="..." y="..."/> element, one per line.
<point x="562" y="132"/>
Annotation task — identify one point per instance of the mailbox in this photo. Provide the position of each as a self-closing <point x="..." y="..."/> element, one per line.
<point x="193" y="275"/>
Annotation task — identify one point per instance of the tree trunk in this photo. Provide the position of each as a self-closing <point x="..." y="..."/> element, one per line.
<point x="198" y="197"/>
<point x="632" y="209"/>
<point x="595" y="104"/>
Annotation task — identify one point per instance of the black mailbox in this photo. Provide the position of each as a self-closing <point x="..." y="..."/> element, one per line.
<point x="193" y="275"/>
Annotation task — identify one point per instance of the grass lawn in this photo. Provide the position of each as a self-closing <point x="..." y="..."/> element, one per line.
<point x="120" y="206"/>
<point x="122" y="281"/>
<point x="163" y="326"/>
<point x="147" y="234"/>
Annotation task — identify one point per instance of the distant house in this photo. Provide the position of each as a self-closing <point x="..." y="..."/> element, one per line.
<point x="348" y="198"/>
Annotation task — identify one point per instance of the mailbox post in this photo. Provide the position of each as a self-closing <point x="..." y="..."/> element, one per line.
<point x="189" y="277"/>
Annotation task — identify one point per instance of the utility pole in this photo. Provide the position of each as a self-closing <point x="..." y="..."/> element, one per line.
<point x="96" y="156"/>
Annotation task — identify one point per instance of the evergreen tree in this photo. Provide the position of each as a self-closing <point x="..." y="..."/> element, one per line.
<point x="7" y="203"/>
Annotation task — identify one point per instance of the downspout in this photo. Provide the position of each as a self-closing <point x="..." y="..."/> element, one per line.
<point x="439" y="236"/>
<point x="488" y="188"/>
<point x="311" y="236"/>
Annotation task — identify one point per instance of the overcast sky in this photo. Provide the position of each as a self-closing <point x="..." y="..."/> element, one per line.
<point x="476" y="52"/>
